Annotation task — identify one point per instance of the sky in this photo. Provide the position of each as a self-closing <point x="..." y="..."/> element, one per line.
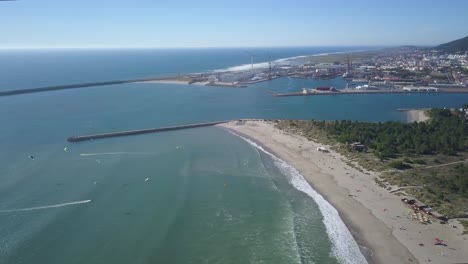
<point x="234" y="23"/>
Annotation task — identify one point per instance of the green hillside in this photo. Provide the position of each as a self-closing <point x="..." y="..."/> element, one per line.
<point x="459" y="45"/>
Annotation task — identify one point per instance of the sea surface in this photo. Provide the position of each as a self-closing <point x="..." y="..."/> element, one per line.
<point x="194" y="196"/>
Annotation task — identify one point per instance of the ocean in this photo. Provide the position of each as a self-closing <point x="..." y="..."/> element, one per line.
<point x="194" y="196"/>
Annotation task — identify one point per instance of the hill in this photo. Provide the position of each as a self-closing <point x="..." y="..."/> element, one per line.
<point x="459" y="45"/>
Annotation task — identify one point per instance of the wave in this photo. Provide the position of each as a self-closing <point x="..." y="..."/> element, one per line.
<point x="259" y="65"/>
<point x="245" y="67"/>
<point x="345" y="248"/>
<point x="117" y="153"/>
<point x="296" y="57"/>
<point x="45" y="206"/>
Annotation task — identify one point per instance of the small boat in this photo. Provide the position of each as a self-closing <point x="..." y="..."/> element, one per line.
<point x="147" y="179"/>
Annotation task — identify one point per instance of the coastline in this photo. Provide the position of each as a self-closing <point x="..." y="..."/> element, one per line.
<point x="362" y="247"/>
<point x="375" y="217"/>
<point x="264" y="65"/>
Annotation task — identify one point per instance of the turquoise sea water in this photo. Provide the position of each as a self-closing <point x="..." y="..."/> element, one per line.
<point x="210" y="196"/>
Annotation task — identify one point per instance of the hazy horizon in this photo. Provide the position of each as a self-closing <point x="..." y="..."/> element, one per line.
<point x="197" y="48"/>
<point x="244" y="24"/>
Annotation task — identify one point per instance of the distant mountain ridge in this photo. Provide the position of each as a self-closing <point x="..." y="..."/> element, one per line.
<point x="459" y="45"/>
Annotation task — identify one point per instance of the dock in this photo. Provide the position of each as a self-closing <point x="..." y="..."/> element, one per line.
<point x="274" y="94"/>
<point x="141" y="131"/>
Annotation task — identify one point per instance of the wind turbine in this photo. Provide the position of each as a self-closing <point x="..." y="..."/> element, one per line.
<point x="252" y="55"/>
<point x="269" y="66"/>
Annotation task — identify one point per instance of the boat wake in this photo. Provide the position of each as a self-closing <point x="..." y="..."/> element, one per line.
<point x="117" y="153"/>
<point x="344" y="248"/>
<point x="45" y="207"/>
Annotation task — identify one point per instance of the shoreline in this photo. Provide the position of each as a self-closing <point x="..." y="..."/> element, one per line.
<point x="416" y="115"/>
<point x="375" y="217"/>
<point x="264" y="64"/>
<point x="365" y="249"/>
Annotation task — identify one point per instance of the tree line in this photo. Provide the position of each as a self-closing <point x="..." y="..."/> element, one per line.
<point x="445" y="133"/>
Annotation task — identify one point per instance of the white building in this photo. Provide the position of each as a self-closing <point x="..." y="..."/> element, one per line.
<point x="366" y="87"/>
<point x="420" y="89"/>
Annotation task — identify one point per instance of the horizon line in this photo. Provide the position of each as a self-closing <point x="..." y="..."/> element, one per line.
<point x="207" y="47"/>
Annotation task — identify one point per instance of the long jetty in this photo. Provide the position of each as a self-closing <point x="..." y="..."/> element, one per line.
<point x="77" y="85"/>
<point x="141" y="131"/>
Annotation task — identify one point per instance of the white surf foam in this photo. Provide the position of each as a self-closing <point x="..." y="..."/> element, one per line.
<point x="345" y="248"/>
<point x="245" y="67"/>
<point x="292" y="58"/>
<point x="259" y="65"/>
<point x="264" y="65"/>
<point x="117" y="153"/>
<point x="45" y="206"/>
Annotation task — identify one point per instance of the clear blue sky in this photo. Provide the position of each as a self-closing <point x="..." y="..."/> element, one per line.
<point x="217" y="23"/>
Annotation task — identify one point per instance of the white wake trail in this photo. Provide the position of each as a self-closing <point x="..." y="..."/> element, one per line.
<point x="117" y="153"/>
<point x="45" y="206"/>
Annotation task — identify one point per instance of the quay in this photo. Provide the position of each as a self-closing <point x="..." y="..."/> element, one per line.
<point x="274" y="94"/>
<point x="141" y="131"/>
<point x="77" y="85"/>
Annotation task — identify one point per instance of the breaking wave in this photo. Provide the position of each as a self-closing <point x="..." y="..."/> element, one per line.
<point x="245" y="67"/>
<point x="259" y="65"/>
<point x="345" y="248"/>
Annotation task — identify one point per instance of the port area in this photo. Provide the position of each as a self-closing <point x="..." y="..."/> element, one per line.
<point x="352" y="91"/>
<point x="232" y="79"/>
<point x="366" y="72"/>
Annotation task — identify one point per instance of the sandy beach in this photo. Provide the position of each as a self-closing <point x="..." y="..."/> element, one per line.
<point x="416" y="116"/>
<point x="376" y="218"/>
